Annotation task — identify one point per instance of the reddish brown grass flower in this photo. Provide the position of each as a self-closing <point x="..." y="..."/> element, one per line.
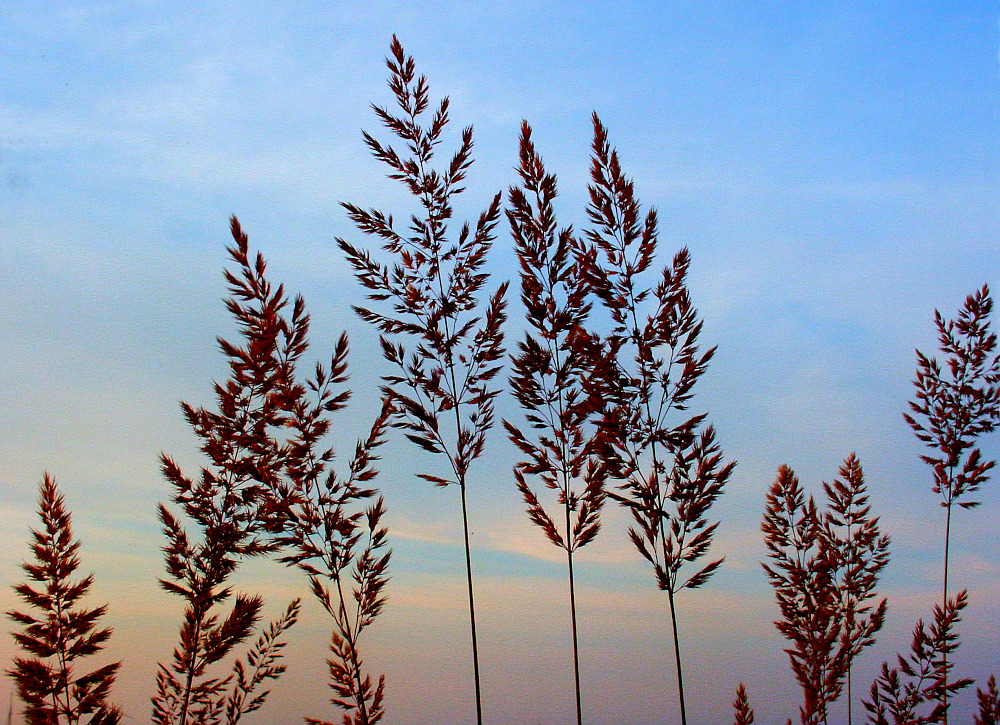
<point x="551" y="374"/>
<point x="989" y="704"/>
<point x="824" y="567"/>
<point x="744" y="714"/>
<point x="955" y="405"/>
<point x="231" y="505"/>
<point x="445" y="345"/>
<point x="645" y="372"/>
<point x="916" y="690"/>
<point x="56" y="633"/>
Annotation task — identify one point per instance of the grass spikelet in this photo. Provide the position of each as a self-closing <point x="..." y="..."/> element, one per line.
<point x="989" y="704"/>
<point x="743" y="713"/>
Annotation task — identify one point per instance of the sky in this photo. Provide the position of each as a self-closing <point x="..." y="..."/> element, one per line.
<point x="832" y="167"/>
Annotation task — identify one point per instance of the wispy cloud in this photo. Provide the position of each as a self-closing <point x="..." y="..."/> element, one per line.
<point x="425" y="531"/>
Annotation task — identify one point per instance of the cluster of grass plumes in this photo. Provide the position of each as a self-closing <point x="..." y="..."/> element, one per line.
<point x="230" y="504"/>
<point x="56" y="633"/>
<point x="270" y="493"/>
<point x="445" y="345"/>
<point x="824" y="567"/>
<point x="605" y="375"/>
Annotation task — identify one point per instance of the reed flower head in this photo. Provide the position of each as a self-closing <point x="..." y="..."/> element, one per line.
<point x="56" y="633"/>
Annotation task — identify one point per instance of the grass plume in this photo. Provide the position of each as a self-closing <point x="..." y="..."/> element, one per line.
<point x="671" y="473"/>
<point x="324" y="522"/>
<point x="445" y="345"/>
<point x="743" y="713"/>
<point x="989" y="704"/>
<point x="551" y="373"/>
<point x="954" y="405"/>
<point x="824" y="567"/>
<point x="916" y="690"/>
<point x="229" y="504"/>
<point x="56" y="633"/>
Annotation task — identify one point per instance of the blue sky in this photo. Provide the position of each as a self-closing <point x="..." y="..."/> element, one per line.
<point x="833" y="169"/>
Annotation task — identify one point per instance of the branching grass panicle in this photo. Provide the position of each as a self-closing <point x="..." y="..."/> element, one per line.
<point x="743" y="713"/>
<point x="956" y="404"/>
<point x="552" y="372"/>
<point x="645" y="371"/>
<point x="56" y="633"/>
<point x="916" y="690"/>
<point x="824" y="567"/>
<point x="231" y="506"/>
<point x="327" y="532"/>
<point x="445" y="345"/>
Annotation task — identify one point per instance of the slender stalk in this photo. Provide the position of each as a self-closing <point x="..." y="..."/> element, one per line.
<point x="355" y="665"/>
<point x="955" y="403"/>
<point x="567" y="509"/>
<point x="472" y="606"/>
<point x="189" y="679"/>
<point x="465" y="520"/>
<point x="576" y="646"/>
<point x="947" y="546"/>
<point x="850" y="700"/>
<point x="661" y="501"/>
<point x="63" y="664"/>
<point x="677" y="656"/>
<point x="944" y="603"/>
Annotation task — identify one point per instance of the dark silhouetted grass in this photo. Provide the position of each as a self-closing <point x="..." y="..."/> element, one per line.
<point x="445" y="345"/>
<point x="646" y="370"/>
<point x="824" y="567"/>
<point x="954" y="405"/>
<point x="552" y="373"/>
<point x="56" y="632"/>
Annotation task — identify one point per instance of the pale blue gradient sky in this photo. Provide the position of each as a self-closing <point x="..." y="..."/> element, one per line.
<point x="834" y="171"/>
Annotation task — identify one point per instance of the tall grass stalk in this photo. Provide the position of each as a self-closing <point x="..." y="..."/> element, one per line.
<point x="551" y="373"/>
<point x="445" y="345"/>
<point x="954" y="405"/>
<point x="646" y="370"/>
